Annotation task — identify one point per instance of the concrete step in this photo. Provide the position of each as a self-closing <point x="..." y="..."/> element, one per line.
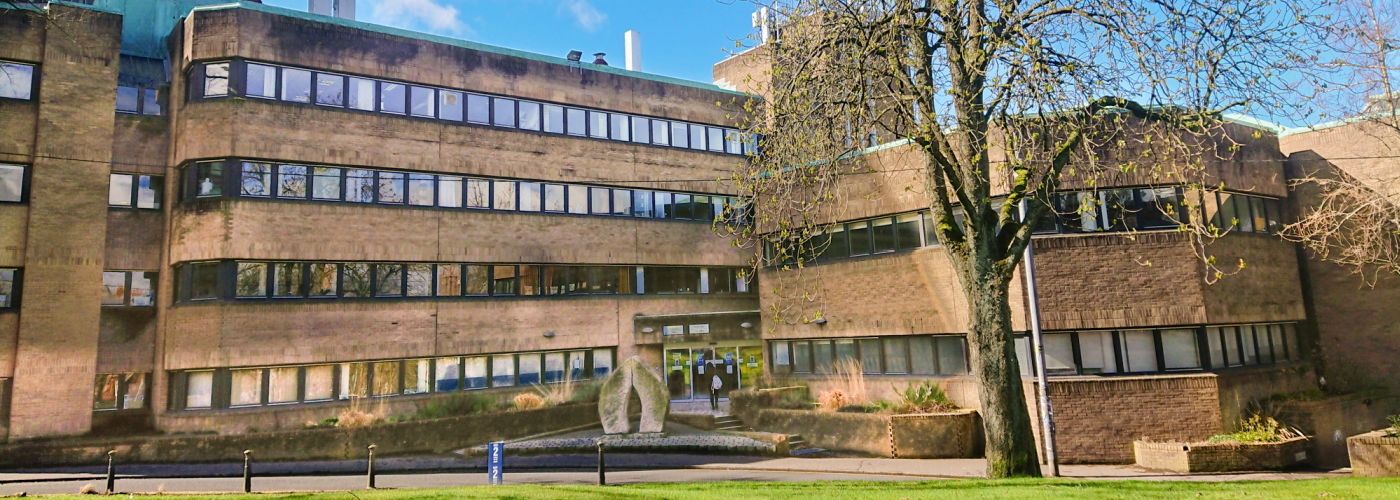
<point x="797" y="452"/>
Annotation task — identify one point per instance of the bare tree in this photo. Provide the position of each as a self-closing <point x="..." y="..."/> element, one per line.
<point x="1351" y="216"/>
<point x="996" y="102"/>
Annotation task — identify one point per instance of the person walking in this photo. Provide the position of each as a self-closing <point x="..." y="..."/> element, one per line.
<point x="716" y="383"/>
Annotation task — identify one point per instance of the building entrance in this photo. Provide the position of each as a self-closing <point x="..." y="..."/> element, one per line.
<point x="691" y="371"/>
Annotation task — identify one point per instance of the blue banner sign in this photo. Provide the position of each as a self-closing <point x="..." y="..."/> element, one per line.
<point x="495" y="462"/>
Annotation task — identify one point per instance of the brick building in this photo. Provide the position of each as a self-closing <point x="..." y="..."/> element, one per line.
<point x="236" y="216"/>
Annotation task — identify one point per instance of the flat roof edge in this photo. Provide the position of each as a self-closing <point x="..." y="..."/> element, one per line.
<point x="405" y="33"/>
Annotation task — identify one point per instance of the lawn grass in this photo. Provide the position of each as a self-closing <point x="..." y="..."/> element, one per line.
<point x="1332" y="488"/>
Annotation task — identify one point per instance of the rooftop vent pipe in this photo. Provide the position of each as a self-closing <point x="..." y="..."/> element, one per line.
<point x="598" y="59"/>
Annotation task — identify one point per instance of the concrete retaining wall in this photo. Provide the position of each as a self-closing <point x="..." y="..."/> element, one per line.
<point x="421" y="436"/>
<point x="947" y="435"/>
<point x="1220" y="457"/>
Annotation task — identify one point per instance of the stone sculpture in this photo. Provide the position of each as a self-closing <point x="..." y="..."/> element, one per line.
<point x="613" y="397"/>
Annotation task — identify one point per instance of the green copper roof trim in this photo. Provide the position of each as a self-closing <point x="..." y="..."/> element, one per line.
<point x="388" y="30"/>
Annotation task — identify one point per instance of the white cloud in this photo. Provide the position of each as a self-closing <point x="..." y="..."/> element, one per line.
<point x="414" y="14"/>
<point x="585" y="14"/>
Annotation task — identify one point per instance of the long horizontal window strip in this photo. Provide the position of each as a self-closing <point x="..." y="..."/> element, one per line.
<point x="9" y="287"/>
<point x="17" y="80"/>
<point x="1074" y="212"/>
<point x="261" y="80"/>
<point x="1162" y="350"/>
<point x="249" y="179"/>
<point x="222" y="388"/>
<point x="246" y="280"/>
<point x="932" y="355"/>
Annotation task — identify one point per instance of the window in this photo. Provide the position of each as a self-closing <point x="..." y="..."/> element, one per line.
<point x="478" y="193"/>
<point x="391" y="188"/>
<point x="781" y="362"/>
<point x="1139" y="352"/>
<point x="421" y="189"/>
<point x="672" y="280"/>
<point x="662" y="207"/>
<point x="529" y="196"/>
<point x="476" y="280"/>
<point x="474" y="373"/>
<point x="597" y="124"/>
<point x="359" y="186"/>
<point x="8" y="288"/>
<point x="261" y="81"/>
<point x="282" y="385"/>
<point x="291" y="181"/>
<point x="503" y="195"/>
<point x="449" y="280"/>
<point x="1096" y="353"/>
<point x="296" y="85"/>
<point x="388" y="280"/>
<point x="907" y="234"/>
<point x="554" y="367"/>
<point x="450" y="191"/>
<point x="599" y="201"/>
<point x="128" y="101"/>
<point x="325" y="183"/>
<point x="123" y="288"/>
<point x="478" y="109"/>
<point x="204" y="277"/>
<point x="1059" y="353"/>
<point x="1249" y="344"/>
<point x="680" y="206"/>
<point x="319" y="383"/>
<point x="256" y="179"/>
<point x="821" y="356"/>
<point x="330" y="90"/>
<point x="554" y="198"/>
<point x="417" y="376"/>
<point x="622" y="202"/>
<point x="602" y="362"/>
<point x="251" y="280"/>
<point x="119" y="190"/>
<point x="697" y="136"/>
<point x="361" y="94"/>
<point x="529" y="115"/>
<point x="502" y="370"/>
<point x="660" y="132"/>
<point x="215" y="80"/>
<point x="714" y="139"/>
<point x="529" y="369"/>
<point x="576" y="365"/>
<point x="287" y="279"/>
<point x="703" y="209"/>
<point x="422" y="102"/>
<point x="17" y="80"/>
<point x="1260" y="220"/>
<point x="419" y="279"/>
<point x="1179" y="349"/>
<point x="354" y="380"/>
<point x="245" y="387"/>
<point x="1275" y="216"/>
<point x="386" y="378"/>
<point x="575" y="121"/>
<point x="577" y="199"/>
<point x="620" y="127"/>
<point x="150" y="102"/>
<point x="896" y="355"/>
<point x="1231" y="338"/>
<point x="503" y="280"/>
<point x="882" y="232"/>
<point x="449" y="105"/>
<point x="323" y="280"/>
<point x="641" y="130"/>
<point x="1281" y="352"/>
<point x="869" y="355"/>
<point x="503" y="113"/>
<point x="553" y="119"/>
<point x="859" y="234"/>
<point x="733" y="142"/>
<point x="447" y="374"/>
<point x="199" y="389"/>
<point x="355" y="280"/>
<point x="392" y="97"/>
<point x="641" y="203"/>
<point x="952" y="355"/>
<point x="12" y="183"/>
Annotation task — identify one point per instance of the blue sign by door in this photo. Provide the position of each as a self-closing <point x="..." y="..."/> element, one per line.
<point x="495" y="462"/>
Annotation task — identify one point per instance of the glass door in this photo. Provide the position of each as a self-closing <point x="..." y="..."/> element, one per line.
<point x="678" y="373"/>
<point x="750" y="365"/>
<point x="702" y="359"/>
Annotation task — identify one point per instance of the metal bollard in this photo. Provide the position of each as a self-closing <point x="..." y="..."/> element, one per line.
<point x="111" y="471"/>
<point x="602" y="474"/>
<point x="247" y="471"/>
<point x="371" y="466"/>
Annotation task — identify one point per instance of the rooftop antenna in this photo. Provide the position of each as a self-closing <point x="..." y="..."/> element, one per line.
<point x="763" y="20"/>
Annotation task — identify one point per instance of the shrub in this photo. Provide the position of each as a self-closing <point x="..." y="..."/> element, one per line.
<point x="924" y="397"/>
<point x="558" y="393"/>
<point x="850" y="380"/>
<point x="528" y="401"/>
<point x="1257" y="429"/>
<point x="1394" y="429"/>
<point x="833" y="399"/>
<point x="456" y="405"/>
<point x="794" y="400"/>
<point x="354" y="418"/>
<point x="586" y="393"/>
<point x="326" y="422"/>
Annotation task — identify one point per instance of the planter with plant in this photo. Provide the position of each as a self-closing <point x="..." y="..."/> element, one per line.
<point x="1261" y="443"/>
<point x="1376" y="453"/>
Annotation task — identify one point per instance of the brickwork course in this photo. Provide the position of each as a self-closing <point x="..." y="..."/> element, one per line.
<point x="70" y="138"/>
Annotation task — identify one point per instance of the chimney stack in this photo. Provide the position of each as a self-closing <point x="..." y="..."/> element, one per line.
<point x="598" y="59"/>
<point x="633" y="41"/>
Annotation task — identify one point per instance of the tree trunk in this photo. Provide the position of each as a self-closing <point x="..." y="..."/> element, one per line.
<point x="1011" y="448"/>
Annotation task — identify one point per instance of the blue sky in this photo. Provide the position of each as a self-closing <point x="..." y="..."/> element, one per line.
<point x="680" y="38"/>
